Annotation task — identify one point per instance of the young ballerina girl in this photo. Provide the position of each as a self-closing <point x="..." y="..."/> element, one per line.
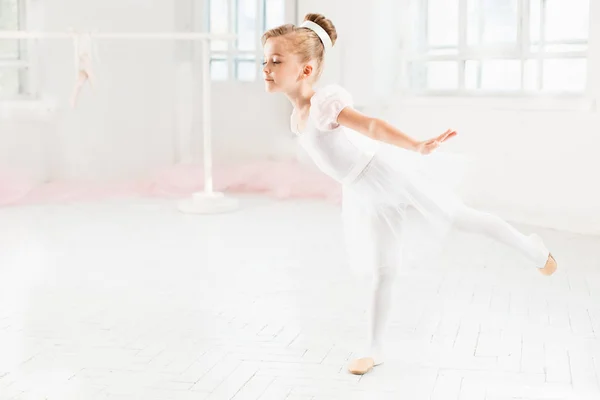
<point x="383" y="177"/>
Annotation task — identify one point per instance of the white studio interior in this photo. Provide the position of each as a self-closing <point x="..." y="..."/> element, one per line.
<point x="223" y="199"/>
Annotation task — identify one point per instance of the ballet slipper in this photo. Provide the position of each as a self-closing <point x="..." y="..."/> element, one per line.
<point x="550" y="266"/>
<point x="361" y="366"/>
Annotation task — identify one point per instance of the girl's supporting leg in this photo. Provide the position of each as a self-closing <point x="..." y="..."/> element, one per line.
<point x="384" y="232"/>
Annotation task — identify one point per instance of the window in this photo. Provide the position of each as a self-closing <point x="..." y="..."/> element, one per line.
<point x="241" y="60"/>
<point x="498" y="46"/>
<point x="13" y="52"/>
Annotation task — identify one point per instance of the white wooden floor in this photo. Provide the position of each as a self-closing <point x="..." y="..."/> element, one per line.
<point x="132" y="300"/>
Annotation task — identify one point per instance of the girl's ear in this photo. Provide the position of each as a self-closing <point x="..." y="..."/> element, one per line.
<point x="307" y="71"/>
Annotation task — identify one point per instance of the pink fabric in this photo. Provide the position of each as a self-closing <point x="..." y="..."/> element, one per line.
<point x="278" y="179"/>
<point x="14" y="187"/>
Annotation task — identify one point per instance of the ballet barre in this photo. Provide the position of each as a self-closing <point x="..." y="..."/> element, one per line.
<point x="208" y="201"/>
<point x="117" y="35"/>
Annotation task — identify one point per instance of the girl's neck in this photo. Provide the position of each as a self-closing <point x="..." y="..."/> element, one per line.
<point x="300" y="98"/>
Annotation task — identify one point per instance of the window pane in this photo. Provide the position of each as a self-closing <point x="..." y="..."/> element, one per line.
<point x="494" y="75"/>
<point x="567" y="20"/>
<point x="9" y="21"/>
<point x="472" y="75"/>
<point x="535" y="14"/>
<point x="246" y="70"/>
<point x="500" y="21"/>
<point x="416" y="75"/>
<point x="218" y="70"/>
<point x="531" y="72"/>
<point x="9" y="48"/>
<point x="565" y="75"/>
<point x="492" y="21"/>
<point x="442" y="75"/>
<point x="473" y="22"/>
<point x="246" y="24"/>
<point x="501" y="75"/>
<point x="9" y="82"/>
<point x="9" y="15"/>
<point x="219" y="22"/>
<point x="442" y="23"/>
<point x="274" y="13"/>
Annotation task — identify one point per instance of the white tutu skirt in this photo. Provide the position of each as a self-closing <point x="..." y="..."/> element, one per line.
<point x="400" y="209"/>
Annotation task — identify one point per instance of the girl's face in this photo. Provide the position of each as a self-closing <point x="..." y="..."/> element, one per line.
<point x="282" y="69"/>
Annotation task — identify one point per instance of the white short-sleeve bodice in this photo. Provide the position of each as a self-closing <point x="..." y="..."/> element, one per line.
<point x="338" y="151"/>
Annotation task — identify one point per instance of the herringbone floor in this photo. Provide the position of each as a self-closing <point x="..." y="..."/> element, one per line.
<point x="132" y="300"/>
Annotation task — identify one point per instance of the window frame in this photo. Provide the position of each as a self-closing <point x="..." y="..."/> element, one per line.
<point x="522" y="52"/>
<point x="24" y="63"/>
<point x="233" y="55"/>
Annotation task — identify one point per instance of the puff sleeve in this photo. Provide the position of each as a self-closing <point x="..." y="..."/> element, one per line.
<point x="326" y="105"/>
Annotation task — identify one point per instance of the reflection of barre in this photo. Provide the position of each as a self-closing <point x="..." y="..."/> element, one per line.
<point x="202" y="202"/>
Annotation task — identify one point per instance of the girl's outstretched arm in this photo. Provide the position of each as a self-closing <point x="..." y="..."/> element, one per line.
<point x="380" y="130"/>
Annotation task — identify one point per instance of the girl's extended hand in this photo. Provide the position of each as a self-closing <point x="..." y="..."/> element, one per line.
<point x="428" y="146"/>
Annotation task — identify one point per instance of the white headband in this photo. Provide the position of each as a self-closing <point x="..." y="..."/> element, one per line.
<point x="324" y="36"/>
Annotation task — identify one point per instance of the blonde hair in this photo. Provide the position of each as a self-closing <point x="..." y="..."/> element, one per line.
<point x="306" y="42"/>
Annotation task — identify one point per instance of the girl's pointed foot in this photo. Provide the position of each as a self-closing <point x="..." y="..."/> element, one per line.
<point x="550" y="266"/>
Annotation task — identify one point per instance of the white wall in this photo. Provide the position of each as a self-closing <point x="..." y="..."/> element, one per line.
<point x="250" y="123"/>
<point x="534" y="162"/>
<point x="124" y="126"/>
<point x="134" y="121"/>
<point x="534" y="165"/>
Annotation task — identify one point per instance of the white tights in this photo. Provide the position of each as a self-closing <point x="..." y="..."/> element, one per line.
<point x="468" y="220"/>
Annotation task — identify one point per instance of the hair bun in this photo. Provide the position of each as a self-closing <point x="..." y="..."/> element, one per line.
<point x="324" y="23"/>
